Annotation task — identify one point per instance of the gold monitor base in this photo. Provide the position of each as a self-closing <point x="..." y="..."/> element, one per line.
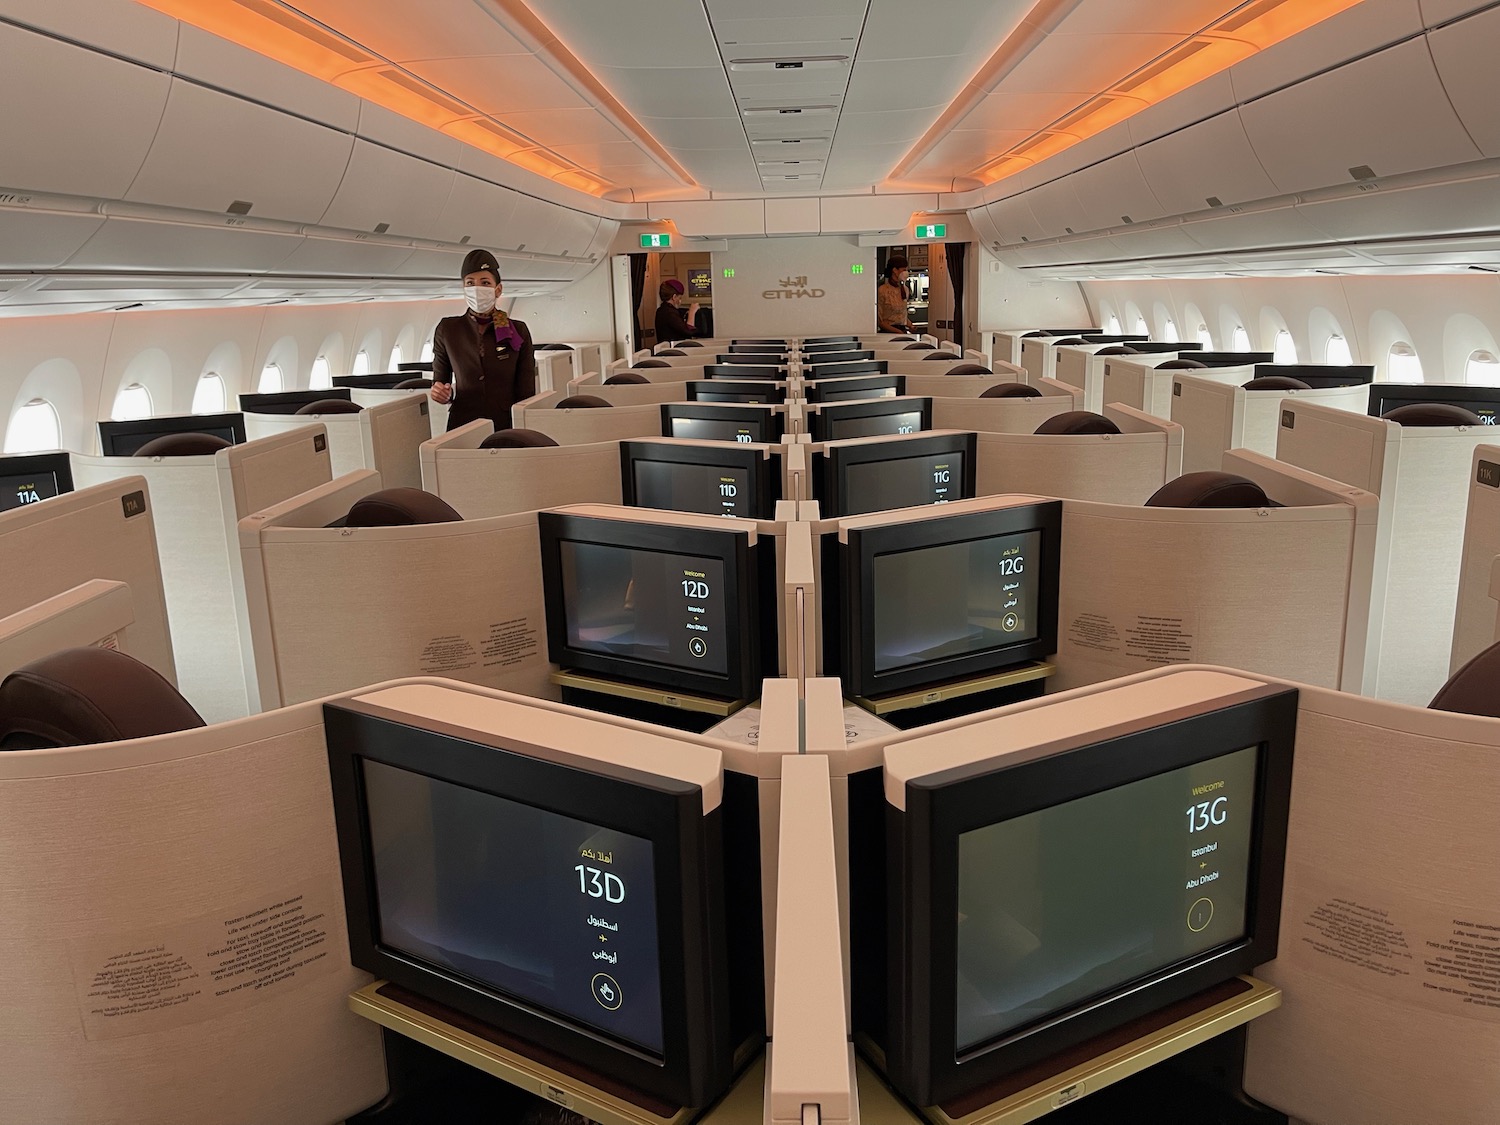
<point x="905" y="701"/>
<point x="679" y="701"/>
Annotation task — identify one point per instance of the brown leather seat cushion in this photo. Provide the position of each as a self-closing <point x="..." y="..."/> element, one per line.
<point x="940" y="357"/>
<point x="1474" y="689"/>
<point x="400" y="507"/>
<point x="1210" y="490"/>
<point x="331" y="406"/>
<point x="82" y="696"/>
<point x="517" y="439"/>
<point x="554" y="347"/>
<point x="1011" y="390"/>
<point x="182" y="445"/>
<point x="1078" y="422"/>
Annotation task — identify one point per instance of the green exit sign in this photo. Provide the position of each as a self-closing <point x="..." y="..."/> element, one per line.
<point x="655" y="241"/>
<point x="934" y="230"/>
<point x="728" y="271"/>
<point x="856" y="268"/>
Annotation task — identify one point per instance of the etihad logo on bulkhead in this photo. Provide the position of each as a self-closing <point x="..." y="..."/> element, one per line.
<point x="792" y="287"/>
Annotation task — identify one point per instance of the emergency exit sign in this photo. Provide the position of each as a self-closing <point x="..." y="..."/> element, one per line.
<point x="933" y="230"/>
<point x="655" y="241"/>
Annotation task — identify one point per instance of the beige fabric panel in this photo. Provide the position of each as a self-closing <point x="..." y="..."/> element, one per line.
<point x="1476" y="609"/>
<point x="354" y="606"/>
<point x="1335" y="443"/>
<point x="266" y="472"/>
<point x="1392" y="863"/>
<point x="591" y="426"/>
<point x="394" y="432"/>
<point x="1143" y="587"/>
<point x="346" y="435"/>
<point x="553" y="370"/>
<point x="97" y="612"/>
<point x="497" y="482"/>
<point x="47" y="549"/>
<point x="1107" y="468"/>
<point x="678" y="375"/>
<point x="997" y="415"/>
<point x="634" y="394"/>
<point x="953" y="386"/>
<point x="184" y="834"/>
<point x="1206" y="411"/>
<point x="1262" y="423"/>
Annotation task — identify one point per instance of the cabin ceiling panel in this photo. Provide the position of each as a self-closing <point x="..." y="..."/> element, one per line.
<point x="1438" y="11"/>
<point x="37" y="241"/>
<point x="500" y="85"/>
<point x="568" y="127"/>
<point x="407" y="32"/>
<point x="69" y="139"/>
<point x="1086" y="60"/>
<point x="967" y="30"/>
<point x="1208" y="98"/>
<point x="1464" y="54"/>
<point x="384" y="127"/>
<point x="679" y="92"/>
<point x="1366" y="27"/>
<point x="228" y="66"/>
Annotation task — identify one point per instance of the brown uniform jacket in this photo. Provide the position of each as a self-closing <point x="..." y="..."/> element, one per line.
<point x="890" y="307"/>
<point x="488" y="377"/>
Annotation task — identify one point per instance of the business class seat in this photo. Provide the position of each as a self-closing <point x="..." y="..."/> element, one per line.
<point x="1432" y="414"/>
<point x="1011" y="390"/>
<point x="625" y="378"/>
<point x="517" y="439"/>
<point x="1210" y="490"/>
<point x="400" y="507"/>
<point x="83" y="696"/>
<point x="1277" y="383"/>
<point x="1078" y="422"/>
<point x="331" y="406"/>
<point x="182" y="445"/>
<point x="581" y="402"/>
<point x="1474" y="689"/>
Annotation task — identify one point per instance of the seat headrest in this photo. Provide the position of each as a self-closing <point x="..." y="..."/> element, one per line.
<point x="400" y="507"/>
<point x="918" y="348"/>
<point x="554" y="347"/>
<point x="331" y="406"/>
<point x="969" y="369"/>
<point x="517" y="439"/>
<point x="1277" y="383"/>
<point x="581" y="402"/>
<point x="1117" y="349"/>
<point x="81" y="696"/>
<point x="671" y="351"/>
<point x="1078" y="422"/>
<point x="413" y="385"/>
<point x="941" y="357"/>
<point x="1010" y="390"/>
<point x="1182" y="365"/>
<point x="689" y="343"/>
<point x="1210" y="490"/>
<point x="1474" y="689"/>
<point x="1432" y="414"/>
<point x="182" y="445"/>
<point x="652" y="363"/>
<point x="625" y="379"/>
<point x="1069" y="342"/>
<point x="902" y="339"/>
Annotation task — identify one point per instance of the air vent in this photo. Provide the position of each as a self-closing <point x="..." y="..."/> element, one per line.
<point x="239" y="207"/>
<point x="1162" y="65"/>
<point x="1126" y="219"/>
<point x="1214" y="201"/>
<point x="1080" y="113"/>
<point x="427" y="93"/>
<point x="306" y="28"/>
<point x="1248" y="14"/>
<point x="1363" y="172"/>
<point x="791" y="111"/>
<point x="381" y="228"/>
<point x="123" y="308"/>
<point x="1068" y="229"/>
<point x="464" y="241"/>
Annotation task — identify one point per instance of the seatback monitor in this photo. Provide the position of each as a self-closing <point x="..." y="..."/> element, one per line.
<point x="384" y="382"/>
<point x="1483" y="401"/>
<point x="122" y="439"/>
<point x="727" y="390"/>
<point x="714" y="479"/>
<point x="870" y="418"/>
<point x="26" y="478"/>
<point x="817" y="370"/>
<point x="1320" y="375"/>
<point x="1232" y="359"/>
<point x="711" y="421"/>
<point x="856" y="387"/>
<point x="743" y="372"/>
<point x="289" y="402"/>
<point x="855" y="477"/>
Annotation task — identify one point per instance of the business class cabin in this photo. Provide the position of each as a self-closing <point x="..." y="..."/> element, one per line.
<point x="749" y="563"/>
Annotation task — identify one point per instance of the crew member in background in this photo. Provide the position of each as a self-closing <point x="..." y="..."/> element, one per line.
<point x="482" y="361"/>
<point x="890" y="297"/>
<point x="670" y="323"/>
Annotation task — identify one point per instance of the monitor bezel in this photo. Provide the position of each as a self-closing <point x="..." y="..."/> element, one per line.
<point x="822" y="419"/>
<point x="58" y="462"/>
<point x="743" y="372"/>
<point x="771" y="427"/>
<point x="812" y="372"/>
<point x="110" y="432"/>
<point x="852" y="355"/>
<point x="830" y="467"/>
<point x="385" y="381"/>
<point x="1456" y="394"/>
<point x="687" y="851"/>
<point x="1232" y="359"/>
<point x="762" y="471"/>
<point x="750" y="359"/>
<point x="922" y="1058"/>
<point x="817" y="389"/>
<point x="828" y="341"/>
<point x="729" y="545"/>
<point x="763" y="387"/>
<point x="289" y="402"/>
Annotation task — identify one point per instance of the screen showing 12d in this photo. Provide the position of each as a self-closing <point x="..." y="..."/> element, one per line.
<point x="1071" y="902"/>
<point x="904" y="482"/>
<point x="540" y="906"/>
<point x="714" y="490"/>
<point x="954" y="600"/>
<point x="27" y="488"/>
<point x="715" y="429"/>
<point x="646" y="605"/>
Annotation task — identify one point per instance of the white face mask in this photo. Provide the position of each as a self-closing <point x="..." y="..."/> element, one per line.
<point x="481" y="298"/>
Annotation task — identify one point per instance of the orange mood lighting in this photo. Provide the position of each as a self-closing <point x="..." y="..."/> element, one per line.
<point x="273" y="30"/>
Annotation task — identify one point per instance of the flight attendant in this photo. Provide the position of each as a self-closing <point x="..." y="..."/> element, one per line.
<point x="890" y="297"/>
<point x="670" y="323"/>
<point x="482" y="361"/>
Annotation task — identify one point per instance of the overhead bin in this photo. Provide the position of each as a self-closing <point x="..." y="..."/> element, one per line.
<point x="46" y="241"/>
<point x="127" y="242"/>
<point x="1111" y="191"/>
<point x="1014" y="219"/>
<point x="477" y="210"/>
<point x="238" y="70"/>
<point x="1209" y="160"/>
<point x="1464" y="54"/>
<point x="1353" y="33"/>
<point x="386" y="188"/>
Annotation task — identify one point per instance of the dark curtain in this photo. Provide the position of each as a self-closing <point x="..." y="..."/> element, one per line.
<point x="637" y="292"/>
<point x="955" y="253"/>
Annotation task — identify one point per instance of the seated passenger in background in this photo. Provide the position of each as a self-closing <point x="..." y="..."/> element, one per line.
<point x="890" y="297"/>
<point x="482" y="362"/>
<point x="670" y="323"/>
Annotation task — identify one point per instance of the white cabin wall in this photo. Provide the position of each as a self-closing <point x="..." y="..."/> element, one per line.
<point x="847" y="303"/>
<point x="584" y="310"/>
<point x="1003" y="297"/>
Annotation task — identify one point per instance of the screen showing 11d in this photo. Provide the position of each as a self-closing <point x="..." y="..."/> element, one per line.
<point x="714" y="490"/>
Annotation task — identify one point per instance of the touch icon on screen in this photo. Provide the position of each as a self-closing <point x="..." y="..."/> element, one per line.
<point x="1200" y="914"/>
<point x="698" y="647"/>
<point x="607" y="992"/>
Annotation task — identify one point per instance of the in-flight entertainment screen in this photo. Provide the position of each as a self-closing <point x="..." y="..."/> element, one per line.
<point x="18" y="490"/>
<point x="902" y="482"/>
<point x="1071" y="902"/>
<point x="556" y="912"/>
<point x="714" y="490"/>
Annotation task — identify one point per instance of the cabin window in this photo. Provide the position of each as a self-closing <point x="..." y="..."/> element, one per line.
<point x="1205" y="337"/>
<point x="322" y="374"/>
<point x="1169" y="333"/>
<point x="1402" y="364"/>
<point x="1140" y="328"/>
<point x="427" y="351"/>
<point x="1337" y="352"/>
<point x="208" y="395"/>
<point x="1241" y="339"/>
<point x="361" y="364"/>
<point x="397" y="359"/>
<point x="1284" y="351"/>
<point x="1112" y="325"/>
<point x="270" y="380"/>
<point x="1483" y="367"/>
<point x="131" y="403"/>
<point x="33" y="428"/>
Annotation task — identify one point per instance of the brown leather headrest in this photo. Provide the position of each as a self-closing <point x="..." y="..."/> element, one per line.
<point x="918" y="348"/>
<point x="901" y="339"/>
<point x="1010" y="390"/>
<point x="1117" y="349"/>
<point x="1432" y="414"/>
<point x="689" y="343"/>
<point x="941" y="357"/>
<point x="554" y="347"/>
<point x="331" y="406"/>
<point x="1181" y="365"/>
<point x="651" y="363"/>
<point x="517" y="439"/>
<point x="582" y="402"/>
<point x="1078" y="422"/>
<point x="182" y="445"/>
<point x="1474" y="689"/>
<point x="82" y="696"/>
<point x="625" y="379"/>
<point x="969" y="369"/>
<point x="413" y="385"/>
<point x="1277" y="383"/>
<point x="1209" y="490"/>
<point x="400" y="507"/>
<point x="671" y="351"/>
<point x="1069" y="342"/>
